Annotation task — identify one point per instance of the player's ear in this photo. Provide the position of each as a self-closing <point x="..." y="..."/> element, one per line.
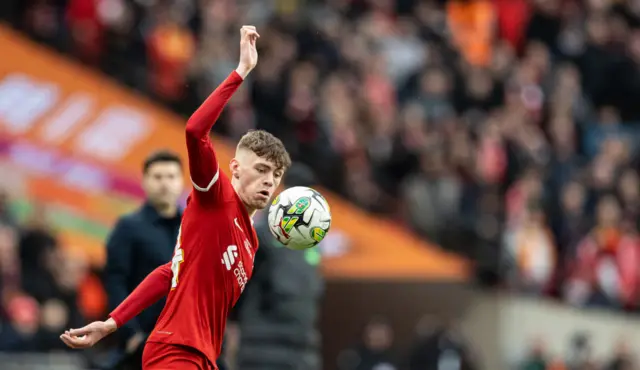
<point x="234" y="166"/>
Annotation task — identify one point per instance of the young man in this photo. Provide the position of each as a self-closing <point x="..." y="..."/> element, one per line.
<point x="140" y="242"/>
<point x="214" y="254"/>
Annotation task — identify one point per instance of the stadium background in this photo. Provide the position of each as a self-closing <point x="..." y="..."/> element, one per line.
<point x="480" y="158"/>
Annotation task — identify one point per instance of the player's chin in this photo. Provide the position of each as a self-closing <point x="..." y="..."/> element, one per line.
<point x="260" y="203"/>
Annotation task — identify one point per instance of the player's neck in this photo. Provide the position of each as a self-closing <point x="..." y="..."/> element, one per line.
<point x="250" y="210"/>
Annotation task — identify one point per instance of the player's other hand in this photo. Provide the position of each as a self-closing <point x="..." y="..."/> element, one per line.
<point x="89" y="335"/>
<point x="248" y="51"/>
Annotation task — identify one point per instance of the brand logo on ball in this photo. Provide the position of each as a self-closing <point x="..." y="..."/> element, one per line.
<point x="275" y="201"/>
<point x="299" y="206"/>
<point x="318" y="234"/>
<point x="287" y="223"/>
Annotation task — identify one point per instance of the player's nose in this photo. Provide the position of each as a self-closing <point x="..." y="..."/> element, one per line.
<point x="268" y="180"/>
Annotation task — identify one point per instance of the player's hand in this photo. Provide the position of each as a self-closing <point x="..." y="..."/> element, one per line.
<point x="248" y="51"/>
<point x="89" y="335"/>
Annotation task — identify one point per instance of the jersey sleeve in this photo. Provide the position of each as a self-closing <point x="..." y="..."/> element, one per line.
<point x="155" y="286"/>
<point x="203" y="164"/>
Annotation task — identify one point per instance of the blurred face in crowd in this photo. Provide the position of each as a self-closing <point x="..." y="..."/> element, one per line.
<point x="548" y="6"/>
<point x="54" y="315"/>
<point x="634" y="46"/>
<point x="562" y="134"/>
<point x="629" y="186"/>
<point x="608" y="116"/>
<point x="573" y="196"/>
<point x="535" y="218"/>
<point x="163" y="184"/>
<point x="538" y="55"/>
<point x="435" y="83"/>
<point x="479" y="84"/>
<point x="378" y="336"/>
<point x="4" y="201"/>
<point x="615" y="150"/>
<point x="602" y="172"/>
<point x="502" y="60"/>
<point x="532" y="184"/>
<point x="598" y="30"/>
<point x="608" y="212"/>
<point x="569" y="78"/>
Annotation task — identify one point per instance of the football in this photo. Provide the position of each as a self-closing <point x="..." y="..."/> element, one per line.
<point x="299" y="218"/>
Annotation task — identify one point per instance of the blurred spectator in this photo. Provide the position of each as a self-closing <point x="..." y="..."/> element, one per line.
<point x="439" y="346"/>
<point x="20" y="332"/>
<point x="141" y="241"/>
<point x="10" y="282"/>
<point x="531" y="249"/>
<point x="622" y="358"/>
<point x="580" y="354"/>
<point x="374" y="352"/>
<point x="6" y="217"/>
<point x="596" y="273"/>
<point x="536" y="359"/>
<point x="569" y="221"/>
<point x="432" y="196"/>
<point x="170" y="47"/>
<point x="86" y="29"/>
<point x="471" y="23"/>
<point x="39" y="256"/>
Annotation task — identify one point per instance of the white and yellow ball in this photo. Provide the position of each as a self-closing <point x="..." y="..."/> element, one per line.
<point x="299" y="217"/>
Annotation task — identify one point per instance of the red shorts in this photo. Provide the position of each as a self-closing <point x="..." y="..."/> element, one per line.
<point x="163" y="356"/>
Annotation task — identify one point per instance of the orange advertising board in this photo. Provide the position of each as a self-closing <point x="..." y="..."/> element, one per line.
<point x="79" y="140"/>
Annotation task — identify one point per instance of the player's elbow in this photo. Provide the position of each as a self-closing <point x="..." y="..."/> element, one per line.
<point x="193" y="131"/>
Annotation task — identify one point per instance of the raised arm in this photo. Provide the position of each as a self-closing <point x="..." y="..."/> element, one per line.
<point x="203" y="165"/>
<point x="155" y="286"/>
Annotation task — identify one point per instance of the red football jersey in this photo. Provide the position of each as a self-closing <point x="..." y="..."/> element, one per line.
<point x="213" y="258"/>
<point x="212" y="262"/>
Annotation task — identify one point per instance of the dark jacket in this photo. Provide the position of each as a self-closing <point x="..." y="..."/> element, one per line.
<point x="278" y="310"/>
<point x="140" y="242"/>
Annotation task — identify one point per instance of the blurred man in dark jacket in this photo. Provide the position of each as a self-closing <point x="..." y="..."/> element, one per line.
<point x="140" y="242"/>
<point x="277" y="314"/>
<point x="440" y="346"/>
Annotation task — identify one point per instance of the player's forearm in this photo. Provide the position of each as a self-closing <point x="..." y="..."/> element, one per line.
<point x="200" y="123"/>
<point x="155" y="286"/>
<point x="117" y="295"/>
<point x="203" y="165"/>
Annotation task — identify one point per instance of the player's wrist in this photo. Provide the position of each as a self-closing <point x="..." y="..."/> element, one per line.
<point x="243" y="71"/>
<point x="111" y="325"/>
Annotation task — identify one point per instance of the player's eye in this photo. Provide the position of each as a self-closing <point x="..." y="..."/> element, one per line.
<point x="261" y="170"/>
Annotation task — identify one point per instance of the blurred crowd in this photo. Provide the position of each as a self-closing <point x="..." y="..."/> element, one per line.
<point x="41" y="288"/>
<point x="506" y="130"/>
<point x="443" y="346"/>
<point x="579" y="356"/>
<point x="436" y="346"/>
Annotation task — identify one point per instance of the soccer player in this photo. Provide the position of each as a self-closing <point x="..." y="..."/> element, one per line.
<point x="214" y="254"/>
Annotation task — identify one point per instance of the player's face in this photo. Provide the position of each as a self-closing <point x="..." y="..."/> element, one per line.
<point x="163" y="183"/>
<point x="257" y="179"/>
